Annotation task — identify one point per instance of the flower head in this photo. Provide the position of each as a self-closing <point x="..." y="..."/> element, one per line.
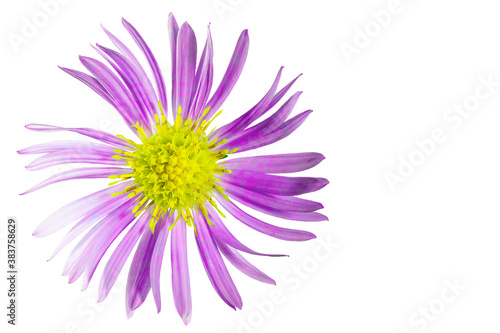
<point x="177" y="174"/>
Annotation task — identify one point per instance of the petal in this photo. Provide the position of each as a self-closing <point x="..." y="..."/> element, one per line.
<point x="71" y="156"/>
<point x="93" y="83"/>
<point x="287" y="128"/>
<point x="64" y="145"/>
<point x="81" y="173"/>
<point x="219" y="232"/>
<point x="263" y="227"/>
<point x="185" y="68"/>
<point x="290" y="208"/>
<point x="157" y="258"/>
<point x="231" y="76"/>
<point x="239" y="124"/>
<point x="283" y="163"/>
<point x="180" y="272"/>
<point x="203" y="79"/>
<point x="160" y="84"/>
<point x="279" y="185"/>
<point x="214" y="265"/>
<point x="75" y="210"/>
<point x="117" y="260"/>
<point x="90" y="132"/>
<point x="173" y="31"/>
<point x="242" y="264"/>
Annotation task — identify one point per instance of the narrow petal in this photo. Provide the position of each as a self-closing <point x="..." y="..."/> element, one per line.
<point x="173" y="31"/>
<point x="157" y="258"/>
<point x="214" y="265"/>
<point x="263" y="227"/>
<point x="290" y="208"/>
<point x="93" y="83"/>
<point x="236" y="126"/>
<point x="287" y="128"/>
<point x="75" y="210"/>
<point x="242" y="264"/>
<point x="180" y="272"/>
<point x="90" y="132"/>
<point x="203" y="79"/>
<point x="231" y="76"/>
<point x="64" y="145"/>
<point x="119" y="257"/>
<point x="283" y="163"/>
<point x="71" y="156"/>
<point x="186" y="65"/>
<point x="279" y="185"/>
<point x="160" y="84"/>
<point x="80" y="173"/>
<point x="219" y="231"/>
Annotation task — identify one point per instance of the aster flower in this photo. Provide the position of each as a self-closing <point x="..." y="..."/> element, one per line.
<point x="176" y="176"/>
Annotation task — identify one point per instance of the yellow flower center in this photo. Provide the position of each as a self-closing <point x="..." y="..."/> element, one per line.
<point x="174" y="169"/>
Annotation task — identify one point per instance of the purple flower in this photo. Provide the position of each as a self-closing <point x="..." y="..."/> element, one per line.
<point x="176" y="174"/>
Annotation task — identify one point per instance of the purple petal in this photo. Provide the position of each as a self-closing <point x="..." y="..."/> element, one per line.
<point x="75" y="210"/>
<point x="279" y="185"/>
<point x="290" y="208"/>
<point x="242" y="264"/>
<point x="160" y="84"/>
<point x="263" y="227"/>
<point x="220" y="232"/>
<point x="287" y="128"/>
<point x="157" y="257"/>
<point x="214" y="265"/>
<point x="185" y="68"/>
<point x="93" y="83"/>
<point x="281" y="93"/>
<point x="231" y="76"/>
<point x="117" y="260"/>
<point x="81" y="173"/>
<point x="283" y="163"/>
<point x="239" y="124"/>
<point x="57" y="146"/>
<point x="173" y="31"/>
<point x="90" y="132"/>
<point x="180" y="273"/>
<point x="203" y="79"/>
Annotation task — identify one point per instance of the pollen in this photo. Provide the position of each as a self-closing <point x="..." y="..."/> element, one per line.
<point x="174" y="169"/>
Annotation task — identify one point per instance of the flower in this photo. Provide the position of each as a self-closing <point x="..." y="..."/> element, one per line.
<point x="177" y="175"/>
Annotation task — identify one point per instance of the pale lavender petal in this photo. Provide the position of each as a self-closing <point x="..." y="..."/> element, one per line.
<point x="119" y="257"/>
<point x="231" y="76"/>
<point x="56" y="146"/>
<point x="90" y="132"/>
<point x="75" y="210"/>
<point x="107" y="205"/>
<point x="180" y="272"/>
<point x="157" y="258"/>
<point x="279" y="185"/>
<point x="93" y="83"/>
<point x="214" y="265"/>
<point x="80" y="173"/>
<point x="263" y="227"/>
<point x="102" y="240"/>
<point x="220" y="232"/>
<point x="287" y="128"/>
<point x="185" y="65"/>
<point x="173" y="31"/>
<point x="160" y="84"/>
<point x="242" y="264"/>
<point x="71" y="156"/>
<point x="282" y="163"/>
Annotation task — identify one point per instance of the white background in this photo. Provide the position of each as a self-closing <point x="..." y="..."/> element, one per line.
<point x="396" y="247"/>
